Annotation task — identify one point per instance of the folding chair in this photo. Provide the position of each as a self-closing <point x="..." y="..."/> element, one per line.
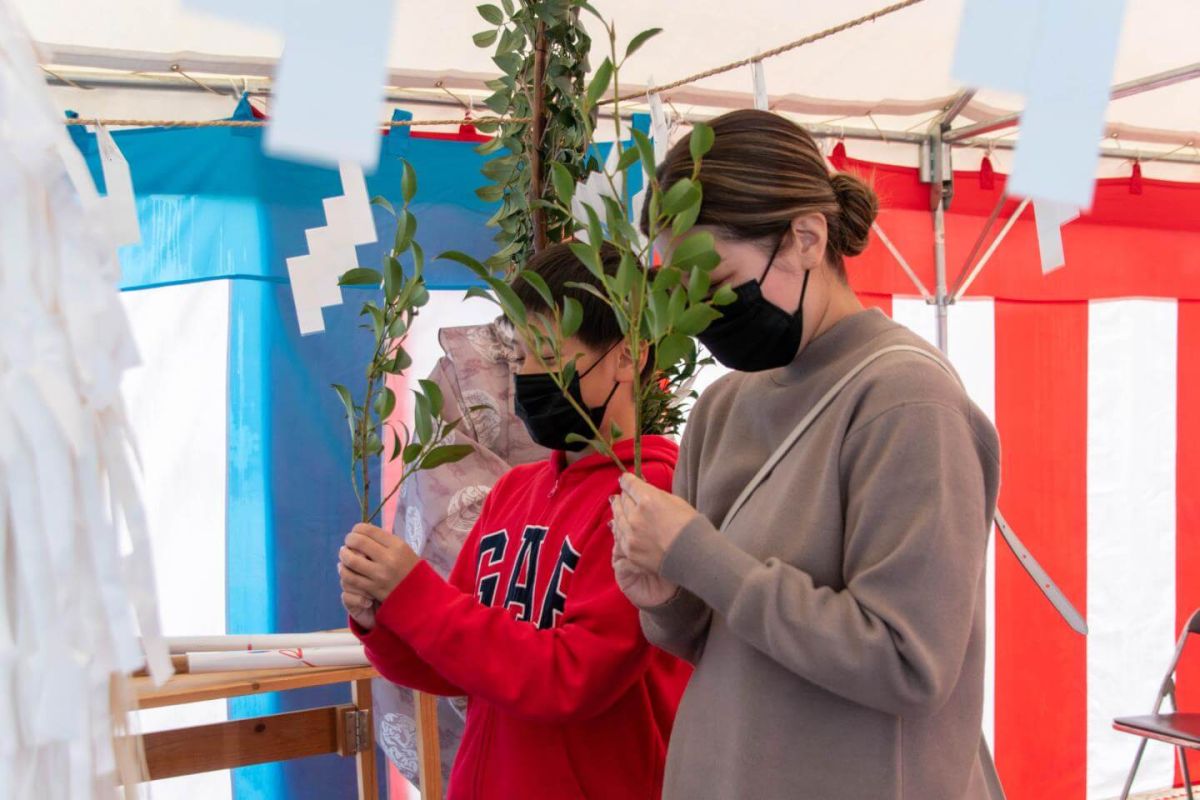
<point x="1180" y="730"/>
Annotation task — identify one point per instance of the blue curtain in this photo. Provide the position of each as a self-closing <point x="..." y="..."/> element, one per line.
<point x="213" y="206"/>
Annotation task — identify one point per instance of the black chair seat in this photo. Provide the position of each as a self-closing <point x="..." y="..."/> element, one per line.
<point x="1182" y="729"/>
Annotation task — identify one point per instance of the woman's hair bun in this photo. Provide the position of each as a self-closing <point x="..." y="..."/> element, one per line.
<point x="859" y="206"/>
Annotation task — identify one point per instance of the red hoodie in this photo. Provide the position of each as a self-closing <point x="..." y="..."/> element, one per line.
<point x="567" y="699"/>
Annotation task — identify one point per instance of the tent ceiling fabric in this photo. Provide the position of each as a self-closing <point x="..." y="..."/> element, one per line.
<point x="903" y="57"/>
<point x="896" y="69"/>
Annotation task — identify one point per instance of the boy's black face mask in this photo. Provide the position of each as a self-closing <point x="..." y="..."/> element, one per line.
<point x="548" y="414"/>
<point x="753" y="334"/>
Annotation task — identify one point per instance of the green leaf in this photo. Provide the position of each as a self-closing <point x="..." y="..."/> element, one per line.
<point x="434" y="393"/>
<point x="508" y="7"/>
<point x="446" y="454"/>
<point x="470" y="262"/>
<point x="408" y="182"/>
<point x="398" y="363"/>
<point x="499" y="102"/>
<point x="724" y="296"/>
<point x="513" y="308"/>
<point x="490" y="146"/>
<point x="395" y="446"/>
<point x="701" y="141"/>
<point x="385" y="403"/>
<point x="589" y="288"/>
<point x="676" y="306"/>
<point x="595" y="230"/>
<point x="659" y="301"/>
<point x="629" y="157"/>
<point x="599" y="84"/>
<point x="682" y="194"/>
<point x="589" y="256"/>
<point x="360" y="276"/>
<point x="696" y="319"/>
<point x="485" y="38"/>
<point x="568" y="371"/>
<point x="393" y="279"/>
<point x="420" y="296"/>
<point x="396" y="329"/>
<point x="698" y="285"/>
<point x="490" y="194"/>
<point x="348" y="403"/>
<point x="626" y="273"/>
<point x="572" y="317"/>
<point x="406" y="229"/>
<point x="482" y="292"/>
<point x="646" y="149"/>
<point x="413" y="452"/>
<point x="376" y="319"/>
<point x="422" y="417"/>
<point x="673" y="349"/>
<point x="639" y="40"/>
<point x="500" y="168"/>
<point x="418" y="260"/>
<point x="564" y="183"/>
<point x="697" y="250"/>
<point x="491" y="14"/>
<point x="383" y="202"/>
<point x="539" y="285"/>
<point x="686" y="219"/>
<point x="509" y="64"/>
<point x="575" y="438"/>
<point x="666" y="278"/>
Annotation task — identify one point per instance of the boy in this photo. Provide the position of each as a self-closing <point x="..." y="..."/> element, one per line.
<point x="566" y="697"/>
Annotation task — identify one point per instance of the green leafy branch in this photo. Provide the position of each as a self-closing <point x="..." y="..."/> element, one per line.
<point x="659" y="310"/>
<point x="541" y="50"/>
<point x="404" y="294"/>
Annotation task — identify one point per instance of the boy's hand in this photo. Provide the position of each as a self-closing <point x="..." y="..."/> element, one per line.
<point x="374" y="562"/>
<point x="361" y="609"/>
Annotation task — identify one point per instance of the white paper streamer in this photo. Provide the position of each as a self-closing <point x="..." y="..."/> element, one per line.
<point x="760" y="85"/>
<point x="118" y="203"/>
<point x="1049" y="217"/>
<point x="67" y="612"/>
<point x="314" y="277"/>
<point x="298" y="657"/>
<point x="260" y="641"/>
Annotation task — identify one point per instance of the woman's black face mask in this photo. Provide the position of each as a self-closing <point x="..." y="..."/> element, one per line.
<point x="753" y="334"/>
<point x="548" y="414"/>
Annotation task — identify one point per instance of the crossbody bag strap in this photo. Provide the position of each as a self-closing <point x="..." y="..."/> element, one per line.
<point x="805" y="423"/>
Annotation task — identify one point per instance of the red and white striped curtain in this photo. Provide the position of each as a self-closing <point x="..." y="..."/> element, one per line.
<point x="1090" y="377"/>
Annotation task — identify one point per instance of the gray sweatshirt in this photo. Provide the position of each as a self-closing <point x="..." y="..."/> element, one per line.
<point x="837" y="626"/>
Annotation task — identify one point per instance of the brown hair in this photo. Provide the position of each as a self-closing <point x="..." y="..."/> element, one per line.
<point x="762" y="172"/>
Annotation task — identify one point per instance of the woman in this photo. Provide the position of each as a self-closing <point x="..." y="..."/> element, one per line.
<point x="836" y="621"/>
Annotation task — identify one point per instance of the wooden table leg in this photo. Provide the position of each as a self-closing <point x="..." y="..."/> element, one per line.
<point x="368" y="787"/>
<point x="429" y="750"/>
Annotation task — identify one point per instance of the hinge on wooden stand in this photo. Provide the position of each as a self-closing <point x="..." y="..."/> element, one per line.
<point x="355" y="731"/>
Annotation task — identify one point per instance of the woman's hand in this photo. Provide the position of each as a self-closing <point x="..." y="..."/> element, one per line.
<point x="374" y="562"/>
<point x="646" y="522"/>
<point x="643" y="588"/>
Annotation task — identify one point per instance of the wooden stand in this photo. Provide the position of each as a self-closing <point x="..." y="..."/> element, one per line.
<point x="345" y="729"/>
<point x="429" y="750"/>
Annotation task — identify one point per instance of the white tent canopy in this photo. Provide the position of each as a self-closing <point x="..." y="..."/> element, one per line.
<point x="892" y="74"/>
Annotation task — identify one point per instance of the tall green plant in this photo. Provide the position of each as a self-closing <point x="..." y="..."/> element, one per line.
<point x="659" y="310"/>
<point x="541" y="49"/>
<point x="371" y="430"/>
